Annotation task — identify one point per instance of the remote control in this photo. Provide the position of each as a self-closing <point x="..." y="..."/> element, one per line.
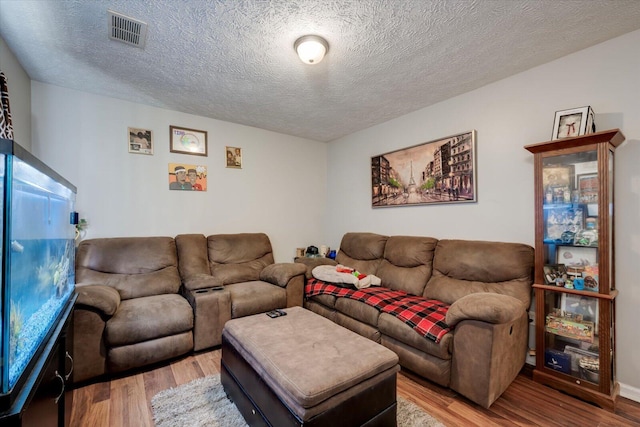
<point x="273" y="314"/>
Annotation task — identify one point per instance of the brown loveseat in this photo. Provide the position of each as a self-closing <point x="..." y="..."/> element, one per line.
<point x="243" y="264"/>
<point x="488" y="287"/>
<point x="143" y="300"/>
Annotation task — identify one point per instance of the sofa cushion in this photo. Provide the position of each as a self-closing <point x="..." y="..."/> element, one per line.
<point x="362" y="251"/>
<point x="423" y="315"/>
<point x="435" y="369"/>
<point x="235" y="258"/>
<point x="327" y="300"/>
<point x="407" y="263"/>
<point x="254" y="297"/>
<point x="147" y="318"/>
<point x="192" y="256"/>
<point x="321" y="310"/>
<point x="144" y="353"/>
<point x="358" y="310"/>
<point x="362" y="329"/>
<point x="463" y="267"/>
<point x="135" y="266"/>
<point x="393" y="327"/>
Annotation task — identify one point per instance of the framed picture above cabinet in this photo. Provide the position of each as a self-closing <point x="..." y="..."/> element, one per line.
<point x="573" y="122"/>
<point x="574" y="284"/>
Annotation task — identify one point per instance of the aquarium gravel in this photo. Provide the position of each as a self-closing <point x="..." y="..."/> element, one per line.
<point x="32" y="333"/>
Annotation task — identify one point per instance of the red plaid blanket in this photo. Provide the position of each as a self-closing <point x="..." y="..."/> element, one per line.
<point x="425" y="316"/>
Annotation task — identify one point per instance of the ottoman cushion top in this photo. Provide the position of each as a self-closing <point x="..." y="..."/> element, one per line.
<point x="306" y="356"/>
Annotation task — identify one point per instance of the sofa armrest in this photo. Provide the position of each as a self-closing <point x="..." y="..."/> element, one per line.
<point x="281" y="274"/>
<point x="201" y="281"/>
<point x="487" y="357"/>
<point x="490" y="344"/>
<point x="211" y="310"/>
<point x="289" y="276"/>
<point x="312" y="263"/>
<point x="485" y="307"/>
<point x="101" y="298"/>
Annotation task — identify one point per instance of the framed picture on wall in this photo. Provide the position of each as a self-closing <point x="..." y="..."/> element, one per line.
<point x="435" y="172"/>
<point x="188" y="141"/>
<point x="234" y="157"/>
<point x="140" y="141"/>
<point x="187" y="177"/>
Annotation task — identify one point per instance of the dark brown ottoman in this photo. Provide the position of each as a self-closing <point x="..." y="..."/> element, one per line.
<point x="304" y="370"/>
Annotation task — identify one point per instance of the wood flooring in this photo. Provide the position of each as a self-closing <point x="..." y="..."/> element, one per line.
<point x="126" y="401"/>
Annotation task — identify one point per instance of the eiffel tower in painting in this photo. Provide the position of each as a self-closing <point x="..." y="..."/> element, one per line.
<point x="412" y="181"/>
<point x="411" y="188"/>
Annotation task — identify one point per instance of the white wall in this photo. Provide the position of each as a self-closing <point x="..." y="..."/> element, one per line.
<point x="19" y="86"/>
<point x="508" y="115"/>
<point x="279" y="191"/>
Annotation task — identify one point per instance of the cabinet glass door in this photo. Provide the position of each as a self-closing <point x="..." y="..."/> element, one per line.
<point x="571" y="240"/>
<point x="571" y="335"/>
<point x="570" y="220"/>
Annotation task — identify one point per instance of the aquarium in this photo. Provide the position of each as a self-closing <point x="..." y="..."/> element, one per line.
<point x="37" y="254"/>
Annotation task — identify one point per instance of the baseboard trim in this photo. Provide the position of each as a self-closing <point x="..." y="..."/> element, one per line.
<point x="631" y="393"/>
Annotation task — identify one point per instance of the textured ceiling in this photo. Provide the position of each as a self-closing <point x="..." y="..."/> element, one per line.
<point x="234" y="60"/>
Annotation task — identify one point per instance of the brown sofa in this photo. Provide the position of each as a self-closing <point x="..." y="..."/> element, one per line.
<point x="242" y="263"/>
<point x="488" y="287"/>
<point x="143" y="300"/>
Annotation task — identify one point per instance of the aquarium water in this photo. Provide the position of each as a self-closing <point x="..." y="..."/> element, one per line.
<point x="42" y="273"/>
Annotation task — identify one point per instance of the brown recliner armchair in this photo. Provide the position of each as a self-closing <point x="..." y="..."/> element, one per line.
<point x="226" y="276"/>
<point x="129" y="311"/>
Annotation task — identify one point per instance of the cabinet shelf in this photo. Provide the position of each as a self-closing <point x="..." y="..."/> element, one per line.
<point x="575" y="328"/>
<point x="561" y="243"/>
<point x="591" y="294"/>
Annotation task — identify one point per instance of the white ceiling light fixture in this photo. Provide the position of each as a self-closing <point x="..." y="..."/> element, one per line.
<point x="311" y="49"/>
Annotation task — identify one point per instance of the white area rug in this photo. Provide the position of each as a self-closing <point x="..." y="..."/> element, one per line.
<point x="202" y="402"/>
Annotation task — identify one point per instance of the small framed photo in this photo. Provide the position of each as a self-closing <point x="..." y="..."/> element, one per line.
<point x="574" y="122"/>
<point x="187" y="177"/>
<point x="140" y="141"/>
<point x="580" y="305"/>
<point x="577" y="256"/>
<point x="234" y="157"/>
<point x="188" y="141"/>
<point x="553" y="272"/>
<point x="558" y="176"/>
<point x="588" y="187"/>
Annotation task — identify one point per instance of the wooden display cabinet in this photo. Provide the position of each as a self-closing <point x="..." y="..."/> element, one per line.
<point x="574" y="270"/>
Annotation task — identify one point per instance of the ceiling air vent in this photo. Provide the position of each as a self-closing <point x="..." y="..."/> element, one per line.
<point x="127" y="30"/>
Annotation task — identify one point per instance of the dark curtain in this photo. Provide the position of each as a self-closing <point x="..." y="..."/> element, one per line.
<point x="6" y="126"/>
